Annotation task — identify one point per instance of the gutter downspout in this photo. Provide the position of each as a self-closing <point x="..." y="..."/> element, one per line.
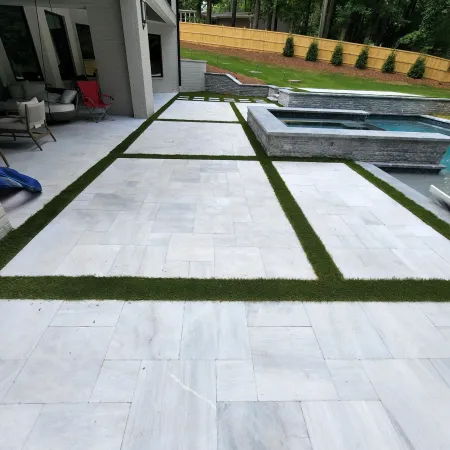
<point x="178" y="41"/>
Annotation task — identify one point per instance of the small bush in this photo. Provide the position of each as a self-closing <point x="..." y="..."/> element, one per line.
<point x="417" y="70"/>
<point x="361" y="62"/>
<point x="389" y="64"/>
<point x="338" y="55"/>
<point x="289" y="47"/>
<point x="313" y="51"/>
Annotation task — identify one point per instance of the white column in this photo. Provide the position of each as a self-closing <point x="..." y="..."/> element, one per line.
<point x="43" y="44"/>
<point x="110" y="55"/>
<point x="138" y="58"/>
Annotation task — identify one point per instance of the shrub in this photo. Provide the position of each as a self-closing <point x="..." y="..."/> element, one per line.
<point x="313" y="51"/>
<point x="417" y="70"/>
<point x="361" y="62"/>
<point x="289" y="47"/>
<point x="389" y="64"/>
<point x="338" y="55"/>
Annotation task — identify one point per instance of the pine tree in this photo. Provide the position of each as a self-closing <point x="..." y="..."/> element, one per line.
<point x="289" y="47"/>
<point x="417" y="70"/>
<point x="313" y="51"/>
<point x="389" y="64"/>
<point x="361" y="62"/>
<point x="338" y="55"/>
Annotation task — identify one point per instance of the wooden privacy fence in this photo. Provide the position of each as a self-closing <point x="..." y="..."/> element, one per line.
<point x="437" y="69"/>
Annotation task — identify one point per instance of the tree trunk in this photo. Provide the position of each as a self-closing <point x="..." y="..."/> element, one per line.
<point x="233" y="12"/>
<point x="323" y="17"/>
<point x="305" y="25"/>
<point x="256" y="14"/>
<point x="330" y="13"/>
<point x="209" y="11"/>
<point x="274" y="17"/>
<point x="269" y="20"/>
<point x="198" y="10"/>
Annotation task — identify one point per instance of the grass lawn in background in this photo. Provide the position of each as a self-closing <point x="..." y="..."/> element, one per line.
<point x="280" y="76"/>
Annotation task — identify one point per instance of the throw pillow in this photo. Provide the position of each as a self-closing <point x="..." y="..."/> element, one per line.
<point x="68" y="96"/>
<point x="53" y="97"/>
<point x="21" y="108"/>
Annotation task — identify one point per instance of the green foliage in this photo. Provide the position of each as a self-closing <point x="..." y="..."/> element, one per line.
<point x="389" y="64"/>
<point x="313" y="51"/>
<point x="338" y="55"/>
<point x="361" y="62"/>
<point x="417" y="70"/>
<point x="289" y="47"/>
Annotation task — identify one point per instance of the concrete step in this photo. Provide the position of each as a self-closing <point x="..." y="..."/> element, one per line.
<point x="273" y="99"/>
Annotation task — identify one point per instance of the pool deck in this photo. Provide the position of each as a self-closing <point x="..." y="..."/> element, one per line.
<point x="209" y="375"/>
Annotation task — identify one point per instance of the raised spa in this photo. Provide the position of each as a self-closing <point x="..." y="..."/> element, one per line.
<point x="411" y="141"/>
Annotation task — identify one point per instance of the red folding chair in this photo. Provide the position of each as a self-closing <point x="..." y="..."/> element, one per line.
<point x="93" y="100"/>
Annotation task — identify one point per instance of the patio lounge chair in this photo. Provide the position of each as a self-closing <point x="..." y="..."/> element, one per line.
<point x="93" y="100"/>
<point x="33" y="125"/>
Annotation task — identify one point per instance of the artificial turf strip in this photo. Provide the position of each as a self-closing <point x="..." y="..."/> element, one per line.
<point x="17" y="239"/>
<point x="321" y="261"/>
<point x="203" y="157"/>
<point x="134" y="288"/>
<point x="197" y="121"/>
<point x="423" y="214"/>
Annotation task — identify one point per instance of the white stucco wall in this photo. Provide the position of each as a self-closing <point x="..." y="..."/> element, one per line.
<point x="168" y="33"/>
<point x="192" y="75"/>
<point x="110" y="55"/>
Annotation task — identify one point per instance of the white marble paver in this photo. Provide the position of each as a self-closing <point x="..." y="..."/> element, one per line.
<point x="186" y="110"/>
<point x="222" y="375"/>
<point x="193" y="138"/>
<point x="80" y="144"/>
<point x="169" y="218"/>
<point x="262" y="426"/>
<point x="366" y="232"/>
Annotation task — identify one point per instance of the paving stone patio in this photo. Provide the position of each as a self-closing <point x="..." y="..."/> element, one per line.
<point x="367" y="233"/>
<point x="184" y="110"/>
<point x="170" y="218"/>
<point x="207" y="375"/>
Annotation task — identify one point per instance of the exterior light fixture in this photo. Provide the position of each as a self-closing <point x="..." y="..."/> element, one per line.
<point x="144" y="13"/>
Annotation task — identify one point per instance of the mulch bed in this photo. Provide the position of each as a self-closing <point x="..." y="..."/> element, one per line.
<point x="301" y="64"/>
<point x="242" y="78"/>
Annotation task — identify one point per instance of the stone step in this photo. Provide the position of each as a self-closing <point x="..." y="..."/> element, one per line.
<point x="273" y="98"/>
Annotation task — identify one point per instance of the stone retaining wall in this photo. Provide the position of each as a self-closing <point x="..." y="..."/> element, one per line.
<point x="224" y="83"/>
<point x="5" y="226"/>
<point x="372" y="103"/>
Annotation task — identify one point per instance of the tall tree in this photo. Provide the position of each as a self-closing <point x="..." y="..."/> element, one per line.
<point x="233" y="12"/>
<point x="256" y="11"/>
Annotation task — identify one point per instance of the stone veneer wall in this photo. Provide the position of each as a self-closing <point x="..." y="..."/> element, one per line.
<point x="349" y="146"/>
<point x="371" y="103"/>
<point x="224" y="83"/>
<point x="5" y="226"/>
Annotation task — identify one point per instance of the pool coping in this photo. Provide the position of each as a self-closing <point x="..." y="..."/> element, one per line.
<point x="275" y="127"/>
<point x="408" y="191"/>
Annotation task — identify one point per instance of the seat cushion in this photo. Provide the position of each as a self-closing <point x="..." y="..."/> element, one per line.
<point x="11" y="124"/>
<point x="59" y="108"/>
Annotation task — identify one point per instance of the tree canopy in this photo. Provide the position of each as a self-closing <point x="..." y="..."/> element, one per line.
<point x="416" y="25"/>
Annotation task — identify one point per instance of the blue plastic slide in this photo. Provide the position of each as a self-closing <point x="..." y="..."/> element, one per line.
<point x="11" y="179"/>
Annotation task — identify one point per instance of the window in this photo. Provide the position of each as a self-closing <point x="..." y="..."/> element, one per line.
<point x="18" y="43"/>
<point x="154" y="42"/>
<point x="84" y="36"/>
<point x="60" y="40"/>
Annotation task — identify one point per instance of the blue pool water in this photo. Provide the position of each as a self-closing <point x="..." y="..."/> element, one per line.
<point x="411" y="125"/>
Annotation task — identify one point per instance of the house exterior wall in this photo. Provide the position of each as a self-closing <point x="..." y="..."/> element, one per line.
<point x="169" y="81"/>
<point x="192" y="75"/>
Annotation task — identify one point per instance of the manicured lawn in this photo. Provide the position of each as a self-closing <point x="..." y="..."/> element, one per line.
<point x="279" y="76"/>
